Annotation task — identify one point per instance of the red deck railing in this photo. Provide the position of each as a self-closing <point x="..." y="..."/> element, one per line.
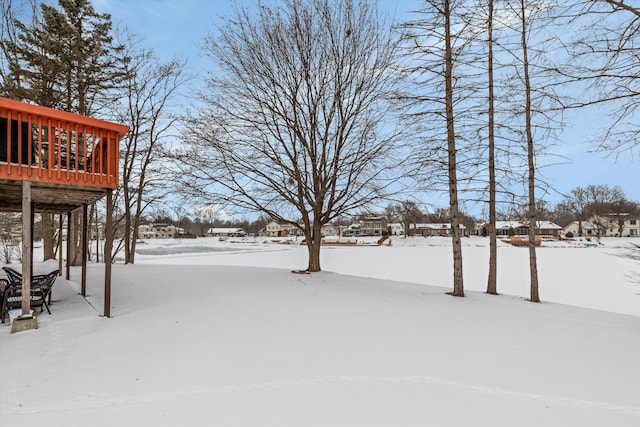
<point x="44" y="145"/>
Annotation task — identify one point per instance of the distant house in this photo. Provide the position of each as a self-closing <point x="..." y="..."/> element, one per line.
<point x="616" y="225"/>
<point x="159" y="231"/>
<point x="329" y="230"/>
<point x="352" y="230"/>
<point x="588" y="229"/>
<point x="396" y="229"/>
<point x="434" y="229"/>
<point x="519" y="228"/>
<point x="507" y="228"/>
<point x="275" y="229"/>
<point x="368" y="226"/>
<point x="373" y="226"/>
<point x="548" y="228"/>
<point x="226" y="232"/>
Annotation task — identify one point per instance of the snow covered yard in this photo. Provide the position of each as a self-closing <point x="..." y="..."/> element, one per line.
<point x="229" y="337"/>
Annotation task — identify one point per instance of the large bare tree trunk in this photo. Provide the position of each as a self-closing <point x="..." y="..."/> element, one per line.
<point x="492" y="287"/>
<point x="458" y="286"/>
<point x="314" y="241"/>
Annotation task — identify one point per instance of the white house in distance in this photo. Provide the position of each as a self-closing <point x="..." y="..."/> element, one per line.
<point x="396" y="229"/>
<point x="627" y="226"/>
<point x="573" y="229"/>
<point x="519" y="228"/>
<point x="434" y="229"/>
<point x="226" y="232"/>
<point x="368" y="226"/>
<point x="159" y="231"/>
<point x="618" y="225"/>
<point x="503" y="228"/>
<point x="275" y="229"/>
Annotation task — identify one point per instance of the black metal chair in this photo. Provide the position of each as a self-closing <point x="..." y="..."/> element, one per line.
<point x="4" y="289"/>
<point x="40" y="290"/>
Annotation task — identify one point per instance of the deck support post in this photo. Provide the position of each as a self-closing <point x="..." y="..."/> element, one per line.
<point x="26" y="321"/>
<point x="84" y="249"/>
<point x="69" y="234"/>
<point x="27" y="237"/>
<point x="60" y="220"/>
<point x="108" y="243"/>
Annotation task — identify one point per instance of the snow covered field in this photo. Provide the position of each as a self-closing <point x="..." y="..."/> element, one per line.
<point x="211" y="333"/>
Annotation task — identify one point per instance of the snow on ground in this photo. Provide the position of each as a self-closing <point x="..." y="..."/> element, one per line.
<point x="570" y="272"/>
<point x="210" y="333"/>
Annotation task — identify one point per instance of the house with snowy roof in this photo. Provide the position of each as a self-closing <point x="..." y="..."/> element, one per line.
<point x="434" y="229"/>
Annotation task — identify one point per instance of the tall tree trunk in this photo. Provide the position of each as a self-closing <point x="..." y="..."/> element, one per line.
<point x="531" y="182"/>
<point x="313" y="245"/>
<point x="127" y="235"/>
<point x="90" y="219"/>
<point x="48" y="233"/>
<point x="128" y="215"/>
<point x="458" y="286"/>
<point x="75" y="241"/>
<point x="134" y="238"/>
<point x="492" y="287"/>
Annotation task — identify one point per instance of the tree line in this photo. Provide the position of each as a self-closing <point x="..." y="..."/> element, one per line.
<point x="317" y="109"/>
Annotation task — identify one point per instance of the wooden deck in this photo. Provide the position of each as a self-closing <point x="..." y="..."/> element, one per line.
<point x="70" y="160"/>
<point x="54" y="161"/>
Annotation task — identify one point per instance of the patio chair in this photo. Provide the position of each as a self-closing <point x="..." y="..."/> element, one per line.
<point x="40" y="289"/>
<point x="4" y="288"/>
<point x="13" y="275"/>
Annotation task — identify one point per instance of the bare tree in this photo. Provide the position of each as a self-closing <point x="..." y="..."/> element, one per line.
<point x="606" y="70"/>
<point x="445" y="103"/>
<point x="406" y="212"/>
<point x="458" y="286"/>
<point x="150" y="88"/>
<point x="300" y="123"/>
<point x="492" y="279"/>
<point x="534" y="101"/>
<point x="585" y="202"/>
<point x="533" y="264"/>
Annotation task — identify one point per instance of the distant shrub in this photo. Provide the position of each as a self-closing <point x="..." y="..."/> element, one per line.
<point x="524" y="240"/>
<point x="569" y="235"/>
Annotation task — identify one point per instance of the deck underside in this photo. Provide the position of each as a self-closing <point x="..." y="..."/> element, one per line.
<point x="48" y="198"/>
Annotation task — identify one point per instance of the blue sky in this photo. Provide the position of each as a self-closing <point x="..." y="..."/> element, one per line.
<point x="176" y="27"/>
